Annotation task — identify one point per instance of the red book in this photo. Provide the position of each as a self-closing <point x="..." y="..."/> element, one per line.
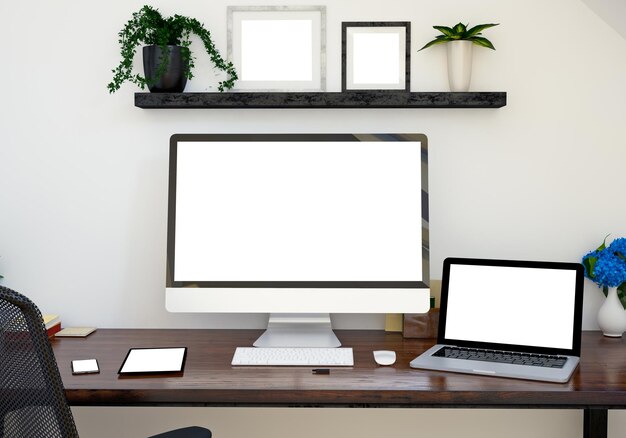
<point x="54" y="329"/>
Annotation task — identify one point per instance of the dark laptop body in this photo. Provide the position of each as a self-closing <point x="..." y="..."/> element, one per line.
<point x="519" y="319"/>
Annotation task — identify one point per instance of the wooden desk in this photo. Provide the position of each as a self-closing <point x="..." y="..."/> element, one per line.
<point x="597" y="385"/>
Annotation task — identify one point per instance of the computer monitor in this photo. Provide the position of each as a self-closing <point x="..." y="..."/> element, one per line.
<point x="298" y="226"/>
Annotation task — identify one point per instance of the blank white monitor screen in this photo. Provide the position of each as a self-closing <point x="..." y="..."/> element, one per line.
<point x="298" y="211"/>
<point x="511" y="305"/>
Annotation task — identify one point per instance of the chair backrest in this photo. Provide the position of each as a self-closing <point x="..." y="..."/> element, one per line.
<point x="32" y="399"/>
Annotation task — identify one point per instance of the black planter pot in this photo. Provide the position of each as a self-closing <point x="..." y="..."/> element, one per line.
<point x="173" y="79"/>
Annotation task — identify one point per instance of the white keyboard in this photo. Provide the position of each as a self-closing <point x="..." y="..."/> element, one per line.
<point x="338" y="357"/>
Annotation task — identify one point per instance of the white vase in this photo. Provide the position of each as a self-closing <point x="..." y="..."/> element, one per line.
<point x="459" y="64"/>
<point x="611" y="316"/>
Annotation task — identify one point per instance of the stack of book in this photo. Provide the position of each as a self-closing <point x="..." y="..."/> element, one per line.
<point x="52" y="323"/>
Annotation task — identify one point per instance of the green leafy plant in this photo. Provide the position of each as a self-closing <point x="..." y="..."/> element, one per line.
<point x="461" y="32"/>
<point x="149" y="27"/>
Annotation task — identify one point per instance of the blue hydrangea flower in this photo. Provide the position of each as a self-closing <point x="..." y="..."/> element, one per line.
<point x="590" y="255"/>
<point x="619" y="246"/>
<point x="609" y="270"/>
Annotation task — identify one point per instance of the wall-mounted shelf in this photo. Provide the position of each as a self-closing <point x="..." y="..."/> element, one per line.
<point x="321" y="100"/>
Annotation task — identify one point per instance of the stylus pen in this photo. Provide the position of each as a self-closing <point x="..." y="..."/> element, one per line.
<point x="321" y="371"/>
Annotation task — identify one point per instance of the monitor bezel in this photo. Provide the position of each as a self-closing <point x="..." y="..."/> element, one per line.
<point x="171" y="227"/>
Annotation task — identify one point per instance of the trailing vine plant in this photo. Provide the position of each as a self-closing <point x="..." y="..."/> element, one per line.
<point x="149" y="27"/>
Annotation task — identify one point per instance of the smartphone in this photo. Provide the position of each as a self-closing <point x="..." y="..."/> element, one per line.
<point x="85" y="366"/>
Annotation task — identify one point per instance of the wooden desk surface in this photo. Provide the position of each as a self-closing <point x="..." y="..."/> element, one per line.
<point x="209" y="379"/>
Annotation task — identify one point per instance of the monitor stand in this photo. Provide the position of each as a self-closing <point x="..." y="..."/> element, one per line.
<point x="298" y="330"/>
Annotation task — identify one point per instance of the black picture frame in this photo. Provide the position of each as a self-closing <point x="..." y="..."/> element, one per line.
<point x="404" y="85"/>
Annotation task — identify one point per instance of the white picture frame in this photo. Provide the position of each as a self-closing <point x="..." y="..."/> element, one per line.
<point x="376" y="56"/>
<point x="278" y="48"/>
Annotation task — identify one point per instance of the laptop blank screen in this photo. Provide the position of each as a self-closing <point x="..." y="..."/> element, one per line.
<point x="511" y="305"/>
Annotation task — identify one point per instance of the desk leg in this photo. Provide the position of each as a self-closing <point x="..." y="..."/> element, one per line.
<point x="595" y="423"/>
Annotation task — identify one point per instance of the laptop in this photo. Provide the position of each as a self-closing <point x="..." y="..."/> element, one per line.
<point x="519" y="319"/>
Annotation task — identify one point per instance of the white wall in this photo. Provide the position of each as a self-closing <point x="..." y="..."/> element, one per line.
<point x="611" y="11"/>
<point x="84" y="174"/>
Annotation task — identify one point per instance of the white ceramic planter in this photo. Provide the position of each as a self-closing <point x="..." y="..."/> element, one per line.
<point x="611" y="316"/>
<point x="459" y="64"/>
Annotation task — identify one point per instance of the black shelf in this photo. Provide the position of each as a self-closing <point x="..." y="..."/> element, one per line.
<point x="232" y="100"/>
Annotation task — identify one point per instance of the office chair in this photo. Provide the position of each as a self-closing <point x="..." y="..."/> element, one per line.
<point x="32" y="398"/>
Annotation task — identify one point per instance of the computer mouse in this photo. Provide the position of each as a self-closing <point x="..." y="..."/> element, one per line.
<point x="385" y="357"/>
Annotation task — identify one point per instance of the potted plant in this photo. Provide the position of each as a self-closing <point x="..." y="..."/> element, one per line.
<point x="606" y="266"/>
<point x="459" y="41"/>
<point x="167" y="59"/>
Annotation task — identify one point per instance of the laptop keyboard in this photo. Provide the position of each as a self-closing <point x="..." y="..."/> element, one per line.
<point x="538" y="360"/>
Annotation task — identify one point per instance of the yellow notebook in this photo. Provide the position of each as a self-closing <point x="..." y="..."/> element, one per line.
<point x="50" y="319"/>
<point x="394" y="322"/>
<point x="75" y="332"/>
